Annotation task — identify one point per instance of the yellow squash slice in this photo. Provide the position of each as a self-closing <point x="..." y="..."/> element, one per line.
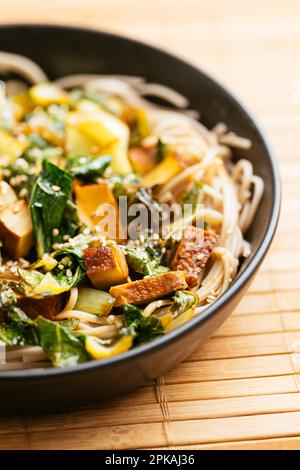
<point x="45" y="94"/>
<point x="98" y="351"/>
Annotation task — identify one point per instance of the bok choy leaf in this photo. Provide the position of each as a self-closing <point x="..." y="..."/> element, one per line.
<point x="143" y="328"/>
<point x="50" y="205"/>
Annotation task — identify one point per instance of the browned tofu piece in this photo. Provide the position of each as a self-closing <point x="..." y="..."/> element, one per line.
<point x="48" y="306"/>
<point x="106" y="266"/>
<point x="148" y="289"/>
<point x="16" y="229"/>
<point x="193" y="253"/>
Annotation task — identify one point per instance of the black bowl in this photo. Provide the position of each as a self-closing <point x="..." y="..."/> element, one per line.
<point x="65" y="50"/>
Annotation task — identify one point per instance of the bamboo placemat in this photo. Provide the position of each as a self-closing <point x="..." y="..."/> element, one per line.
<point x="241" y="390"/>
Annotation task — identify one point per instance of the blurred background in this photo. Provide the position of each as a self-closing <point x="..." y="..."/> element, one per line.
<point x="252" y="47"/>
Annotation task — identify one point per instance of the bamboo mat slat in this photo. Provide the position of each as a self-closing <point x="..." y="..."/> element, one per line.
<point x="240" y="390"/>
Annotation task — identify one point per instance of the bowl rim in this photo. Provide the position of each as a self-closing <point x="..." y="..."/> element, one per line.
<point x="237" y="284"/>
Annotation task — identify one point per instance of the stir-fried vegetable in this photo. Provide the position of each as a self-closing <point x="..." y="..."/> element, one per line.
<point x="144" y="329"/>
<point x="82" y="275"/>
<point x="94" y="301"/>
<point x="146" y="259"/>
<point x="49" y="204"/>
<point x="88" y="168"/>
<point x="60" y="345"/>
<point x="194" y="195"/>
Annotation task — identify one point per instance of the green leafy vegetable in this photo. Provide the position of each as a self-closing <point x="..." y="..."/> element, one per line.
<point x="124" y="185"/>
<point x="65" y="279"/>
<point x="145" y="197"/>
<point x="20" y="172"/>
<point x="34" y="283"/>
<point x="95" y="96"/>
<point x="88" y="168"/>
<point x="70" y="222"/>
<point x="194" y="195"/>
<point x="50" y="153"/>
<point x="99" y="98"/>
<point x="139" y="126"/>
<point x="63" y="348"/>
<point x="145" y="259"/>
<point x="36" y="141"/>
<point x="48" y="204"/>
<point x="161" y="150"/>
<point x="18" y="334"/>
<point x="7" y="297"/>
<point x="70" y="257"/>
<point x="75" y="248"/>
<point x="20" y="330"/>
<point x="94" y="301"/>
<point x="70" y="323"/>
<point x="144" y="328"/>
<point x="51" y="122"/>
<point x="182" y="301"/>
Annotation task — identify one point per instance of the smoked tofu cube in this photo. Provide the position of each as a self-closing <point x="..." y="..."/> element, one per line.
<point x="148" y="289"/>
<point x="48" y="306"/>
<point x="16" y="230"/>
<point x="96" y="203"/>
<point x="106" y="266"/>
<point x="193" y="253"/>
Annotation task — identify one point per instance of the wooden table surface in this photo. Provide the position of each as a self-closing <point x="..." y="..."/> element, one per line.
<point x="242" y="389"/>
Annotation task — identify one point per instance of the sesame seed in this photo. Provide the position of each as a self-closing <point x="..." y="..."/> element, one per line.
<point x="118" y="323"/>
<point x="60" y="266"/>
<point x="6" y="172"/>
<point x="13" y="269"/>
<point x="23" y="262"/>
<point x="86" y="231"/>
<point x="16" y="210"/>
<point x="55" y="232"/>
<point x="69" y="273"/>
<point x="23" y="192"/>
<point x="66" y="237"/>
<point x="13" y="182"/>
<point x="55" y="188"/>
